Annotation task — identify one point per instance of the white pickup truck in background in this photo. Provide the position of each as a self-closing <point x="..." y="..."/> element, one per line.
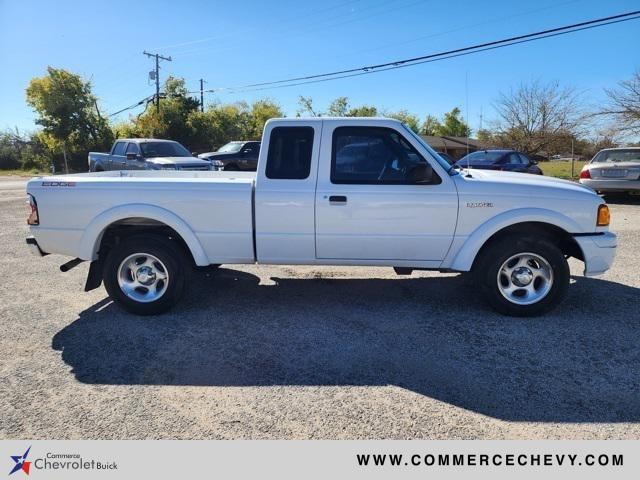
<point x="328" y="191"/>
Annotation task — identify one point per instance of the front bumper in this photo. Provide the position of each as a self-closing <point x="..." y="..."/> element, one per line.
<point x="612" y="185"/>
<point x="34" y="247"/>
<point x="598" y="251"/>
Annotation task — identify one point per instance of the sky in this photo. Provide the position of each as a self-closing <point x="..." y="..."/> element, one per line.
<point x="231" y="43"/>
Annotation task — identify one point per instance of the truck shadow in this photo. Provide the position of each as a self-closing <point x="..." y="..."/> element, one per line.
<point x="428" y="335"/>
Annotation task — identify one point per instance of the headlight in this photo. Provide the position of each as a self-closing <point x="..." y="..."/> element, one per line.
<point x="217" y="163"/>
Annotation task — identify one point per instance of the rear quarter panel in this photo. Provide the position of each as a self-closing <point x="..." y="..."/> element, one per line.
<point x="215" y="216"/>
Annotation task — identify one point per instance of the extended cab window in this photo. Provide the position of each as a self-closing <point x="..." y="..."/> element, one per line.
<point x="373" y="155"/>
<point x="289" y="155"/>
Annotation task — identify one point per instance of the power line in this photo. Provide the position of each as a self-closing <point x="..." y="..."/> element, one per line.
<point x="146" y="99"/>
<point x="322" y="77"/>
<point x="482" y="47"/>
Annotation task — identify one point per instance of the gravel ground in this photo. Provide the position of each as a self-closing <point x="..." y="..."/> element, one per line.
<point x="307" y="352"/>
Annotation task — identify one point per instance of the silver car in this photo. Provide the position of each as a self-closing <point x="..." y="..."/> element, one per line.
<point x="613" y="170"/>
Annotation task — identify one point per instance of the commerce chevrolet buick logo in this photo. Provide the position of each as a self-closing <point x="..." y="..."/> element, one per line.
<point x="21" y="462"/>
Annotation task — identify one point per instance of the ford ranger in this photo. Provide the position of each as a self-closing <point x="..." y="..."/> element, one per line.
<point x="328" y="191"/>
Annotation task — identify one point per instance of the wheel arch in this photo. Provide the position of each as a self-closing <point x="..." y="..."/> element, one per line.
<point x="135" y="219"/>
<point x="528" y="221"/>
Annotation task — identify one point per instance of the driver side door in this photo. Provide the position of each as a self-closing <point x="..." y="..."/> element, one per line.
<point x="367" y="208"/>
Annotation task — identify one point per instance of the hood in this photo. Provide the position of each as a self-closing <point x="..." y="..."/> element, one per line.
<point x="177" y="161"/>
<point x="523" y="182"/>
<point x="219" y="155"/>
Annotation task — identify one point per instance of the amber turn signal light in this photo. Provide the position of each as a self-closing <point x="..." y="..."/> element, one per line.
<point x="604" y="217"/>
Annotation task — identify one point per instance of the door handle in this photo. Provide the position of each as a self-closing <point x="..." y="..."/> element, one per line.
<point x="337" y="199"/>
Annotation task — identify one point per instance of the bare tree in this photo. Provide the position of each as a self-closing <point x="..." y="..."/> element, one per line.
<point x="624" y="105"/>
<point x="536" y="117"/>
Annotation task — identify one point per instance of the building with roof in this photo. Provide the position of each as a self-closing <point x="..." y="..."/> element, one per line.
<point x="457" y="147"/>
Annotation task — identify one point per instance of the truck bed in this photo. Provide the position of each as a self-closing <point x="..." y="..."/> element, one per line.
<point x="156" y="175"/>
<point x="214" y="207"/>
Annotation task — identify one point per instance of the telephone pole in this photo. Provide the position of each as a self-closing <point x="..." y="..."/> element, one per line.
<point x="202" y="82"/>
<point x="158" y="57"/>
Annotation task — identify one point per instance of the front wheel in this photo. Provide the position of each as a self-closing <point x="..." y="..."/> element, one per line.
<point x="523" y="277"/>
<point x="145" y="275"/>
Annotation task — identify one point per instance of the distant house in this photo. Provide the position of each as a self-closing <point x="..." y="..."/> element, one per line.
<point x="457" y="147"/>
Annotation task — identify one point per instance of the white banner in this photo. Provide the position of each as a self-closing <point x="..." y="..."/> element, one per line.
<point x="320" y="459"/>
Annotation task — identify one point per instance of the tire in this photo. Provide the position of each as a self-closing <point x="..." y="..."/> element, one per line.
<point x="231" y="168"/>
<point x="523" y="276"/>
<point x="145" y="291"/>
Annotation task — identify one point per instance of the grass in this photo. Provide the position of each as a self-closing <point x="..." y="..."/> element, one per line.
<point x="561" y="169"/>
<point x="22" y="173"/>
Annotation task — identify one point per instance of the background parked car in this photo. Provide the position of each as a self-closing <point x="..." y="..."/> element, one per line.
<point x="237" y="155"/>
<point x="507" y="160"/>
<point x="613" y="170"/>
<point x="146" y="154"/>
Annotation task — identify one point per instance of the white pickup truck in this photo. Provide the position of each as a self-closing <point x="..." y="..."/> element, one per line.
<point x="328" y="191"/>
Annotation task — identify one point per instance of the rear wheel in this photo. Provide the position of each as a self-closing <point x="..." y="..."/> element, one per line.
<point x="145" y="275"/>
<point x="523" y="277"/>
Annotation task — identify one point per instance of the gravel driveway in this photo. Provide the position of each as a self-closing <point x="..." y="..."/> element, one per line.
<point x="307" y="352"/>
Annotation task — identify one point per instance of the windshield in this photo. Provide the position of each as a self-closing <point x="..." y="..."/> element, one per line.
<point x="443" y="163"/>
<point x="231" y="147"/>
<point x="163" y="149"/>
<point x="482" y="157"/>
<point x="631" y="155"/>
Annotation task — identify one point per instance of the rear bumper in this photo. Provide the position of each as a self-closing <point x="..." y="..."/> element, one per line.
<point x="34" y="247"/>
<point x="612" y="185"/>
<point x="598" y="251"/>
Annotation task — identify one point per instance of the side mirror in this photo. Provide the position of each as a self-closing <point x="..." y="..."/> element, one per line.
<point x="421" y="174"/>
<point x="246" y="151"/>
<point x="533" y="162"/>
<point x="134" y="156"/>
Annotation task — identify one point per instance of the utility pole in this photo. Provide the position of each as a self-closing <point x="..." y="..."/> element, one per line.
<point x="158" y="57"/>
<point x="202" y="82"/>
<point x="573" y="162"/>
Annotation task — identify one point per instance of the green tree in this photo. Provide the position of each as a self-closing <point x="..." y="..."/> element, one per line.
<point x="409" y="119"/>
<point x="453" y="125"/>
<point x="339" y="107"/>
<point x="261" y="111"/>
<point x="305" y="107"/>
<point x="67" y="112"/>
<point x="363" y="111"/>
<point x="430" y="126"/>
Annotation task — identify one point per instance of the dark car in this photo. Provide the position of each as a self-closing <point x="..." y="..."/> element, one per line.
<point x="506" y="160"/>
<point x="238" y="155"/>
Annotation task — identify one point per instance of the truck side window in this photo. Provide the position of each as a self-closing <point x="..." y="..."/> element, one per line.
<point x="373" y="155"/>
<point x="119" y="148"/>
<point x="289" y="155"/>
<point x="133" y="148"/>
